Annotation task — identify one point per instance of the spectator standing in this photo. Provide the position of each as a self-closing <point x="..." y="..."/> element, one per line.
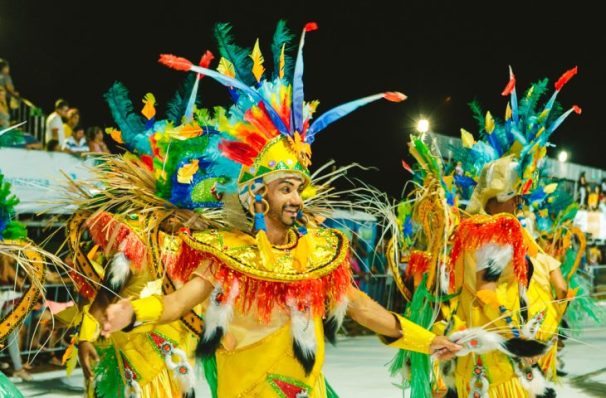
<point x="593" y="199"/>
<point x="4" y="110"/>
<point x="73" y="120"/>
<point x="583" y="187"/>
<point x="6" y="81"/>
<point x="54" y="122"/>
<point x="76" y="144"/>
<point x="96" y="143"/>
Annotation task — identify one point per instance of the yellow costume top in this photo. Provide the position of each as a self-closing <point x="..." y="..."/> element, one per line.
<point x="269" y="312"/>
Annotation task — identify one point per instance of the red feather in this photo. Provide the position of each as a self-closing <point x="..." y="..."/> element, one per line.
<point x="174" y="62"/>
<point x="394" y="96"/>
<point x="511" y="85"/>
<point x="526" y="186"/>
<point x="565" y="77"/>
<point x="577" y="109"/>
<point x="238" y="152"/>
<point x="310" y="27"/>
<point x="253" y="139"/>
<point x="206" y="59"/>
<point x="148" y="161"/>
<point x="407" y="167"/>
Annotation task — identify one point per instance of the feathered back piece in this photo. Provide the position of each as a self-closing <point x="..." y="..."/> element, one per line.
<point x="181" y="151"/>
<point x="523" y="133"/>
<point x="269" y="125"/>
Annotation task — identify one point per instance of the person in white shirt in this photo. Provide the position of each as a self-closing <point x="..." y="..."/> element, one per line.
<point x="54" y="122"/>
<point x="76" y="144"/>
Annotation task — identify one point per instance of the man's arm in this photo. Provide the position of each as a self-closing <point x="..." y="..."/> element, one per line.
<point x="154" y="309"/>
<point x="395" y="330"/>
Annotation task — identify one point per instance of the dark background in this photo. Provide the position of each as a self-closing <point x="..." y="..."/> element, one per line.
<point x="441" y="54"/>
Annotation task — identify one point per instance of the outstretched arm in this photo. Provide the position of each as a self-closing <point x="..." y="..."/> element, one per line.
<point x="395" y="330"/>
<point x="157" y="309"/>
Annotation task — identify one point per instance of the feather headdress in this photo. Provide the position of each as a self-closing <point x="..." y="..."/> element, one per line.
<point x="270" y="125"/>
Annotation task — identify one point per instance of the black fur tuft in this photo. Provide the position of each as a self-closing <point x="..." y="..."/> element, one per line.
<point x="207" y="348"/>
<point x="330" y="329"/>
<point x="525" y="348"/>
<point x="549" y="393"/>
<point x="307" y="361"/>
<point x="451" y="393"/>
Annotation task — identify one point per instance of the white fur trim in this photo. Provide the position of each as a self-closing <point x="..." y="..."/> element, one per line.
<point x="220" y="314"/>
<point x="119" y="270"/>
<point x="477" y="340"/>
<point x="493" y="256"/>
<point x="303" y="329"/>
<point x="339" y="310"/>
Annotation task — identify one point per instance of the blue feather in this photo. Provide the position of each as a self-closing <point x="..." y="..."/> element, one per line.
<point x="298" y="96"/>
<point x="337" y="113"/>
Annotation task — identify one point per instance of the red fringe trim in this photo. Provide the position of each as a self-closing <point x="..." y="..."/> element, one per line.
<point x="265" y="296"/>
<point x="104" y="227"/>
<point x="418" y="263"/>
<point x="185" y="263"/>
<point x="473" y="233"/>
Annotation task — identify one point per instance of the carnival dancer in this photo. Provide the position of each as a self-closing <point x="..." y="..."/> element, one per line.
<point x="275" y="289"/>
<point x="122" y="249"/>
<point x="506" y="309"/>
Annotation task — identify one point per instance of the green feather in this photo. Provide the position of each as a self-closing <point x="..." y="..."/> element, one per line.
<point x="9" y="229"/>
<point x="237" y="55"/>
<point x="210" y="373"/>
<point x="477" y="113"/>
<point x="282" y="38"/>
<point x="419" y="311"/>
<point x="108" y="380"/>
<point x="8" y="389"/>
<point x="175" y="109"/>
<point x="130" y="123"/>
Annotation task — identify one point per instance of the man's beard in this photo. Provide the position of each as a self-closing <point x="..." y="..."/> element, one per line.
<point x="285" y="216"/>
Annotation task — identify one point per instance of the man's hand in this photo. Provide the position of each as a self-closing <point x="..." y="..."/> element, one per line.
<point x="87" y="355"/>
<point x="117" y="317"/>
<point x="442" y="348"/>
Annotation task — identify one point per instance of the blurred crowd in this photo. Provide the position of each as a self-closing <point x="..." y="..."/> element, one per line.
<point x="591" y="195"/>
<point x="64" y="131"/>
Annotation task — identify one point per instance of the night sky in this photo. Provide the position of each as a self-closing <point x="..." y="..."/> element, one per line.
<point x="441" y="54"/>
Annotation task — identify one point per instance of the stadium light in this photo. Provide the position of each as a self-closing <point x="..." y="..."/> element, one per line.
<point x="423" y="126"/>
<point x="563" y="156"/>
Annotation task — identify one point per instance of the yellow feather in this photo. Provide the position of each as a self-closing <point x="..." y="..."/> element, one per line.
<point x="115" y="134"/>
<point x="508" y="112"/>
<point x="149" y="109"/>
<point x="549" y="189"/>
<point x="489" y="123"/>
<point x="467" y="139"/>
<point x="257" y="58"/>
<point x="226" y="68"/>
<point x="185" y="175"/>
<point x="282" y="62"/>
<point x="543" y="115"/>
